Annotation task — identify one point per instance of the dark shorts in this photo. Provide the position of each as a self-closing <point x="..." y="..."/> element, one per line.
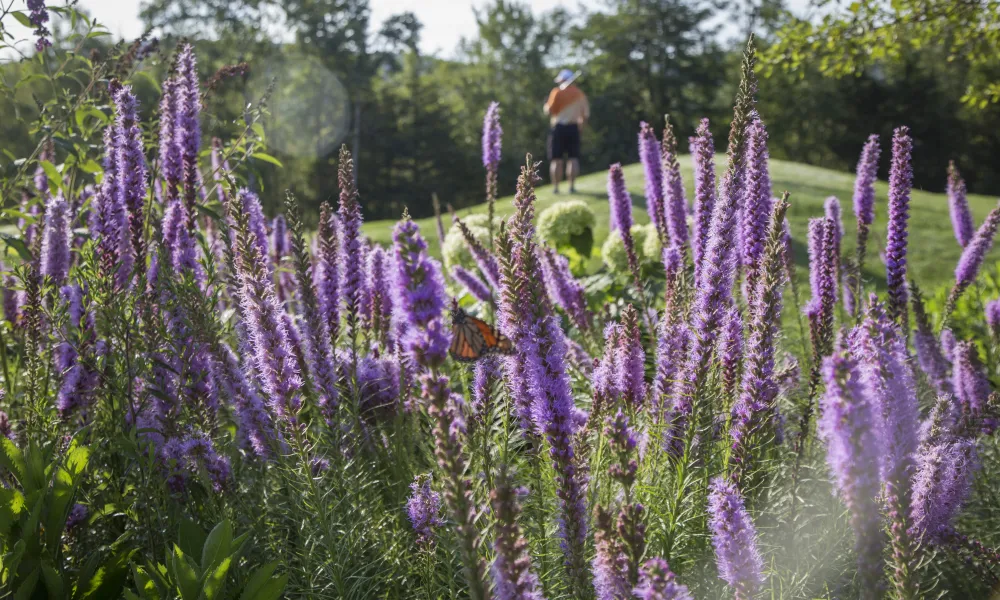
<point x="564" y="140"/>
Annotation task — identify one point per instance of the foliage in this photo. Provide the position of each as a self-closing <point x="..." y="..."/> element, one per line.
<point x="570" y="223"/>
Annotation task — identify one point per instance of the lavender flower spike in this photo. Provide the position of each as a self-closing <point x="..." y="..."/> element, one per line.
<point x="56" y="240"/>
<point x="621" y="218"/>
<point x="941" y="485"/>
<point x="993" y="318"/>
<point x="735" y="540"/>
<point x="900" y="183"/>
<point x="170" y="159"/>
<point x="649" y="156"/>
<point x="756" y="203"/>
<point x="958" y="206"/>
<point x="972" y="388"/>
<point x="187" y="131"/>
<point x="492" y="143"/>
<point x="327" y="272"/>
<point x="864" y="193"/>
<point x="849" y="425"/>
<point x="423" y="508"/>
<point x="675" y="204"/>
<point x="472" y="284"/>
<point x="703" y="154"/>
<point x="418" y="297"/>
<point x="512" y="575"/>
<point x="973" y="257"/>
<point x="352" y="279"/>
<point x="132" y="168"/>
<point x="657" y="582"/>
<point x="564" y="289"/>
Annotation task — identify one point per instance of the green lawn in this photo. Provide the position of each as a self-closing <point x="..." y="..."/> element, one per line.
<point x="933" y="249"/>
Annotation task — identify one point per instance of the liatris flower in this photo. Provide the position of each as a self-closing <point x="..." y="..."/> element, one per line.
<point x="849" y="425"/>
<point x="56" y="240"/>
<point x="672" y="345"/>
<point x="702" y="150"/>
<point x="756" y="203"/>
<point x="352" y="280"/>
<point x="486" y="262"/>
<point x="472" y="284"/>
<point x="566" y="292"/>
<point x="485" y="376"/>
<point x="649" y="156"/>
<point x="200" y="453"/>
<point x="973" y="256"/>
<point x="928" y="347"/>
<point x="418" y="297"/>
<point x="631" y="360"/>
<point x="318" y="348"/>
<point x="675" y="204"/>
<point x="610" y="565"/>
<point x="831" y="208"/>
<point x="423" y="509"/>
<point x="328" y="270"/>
<point x="972" y="388"/>
<point x="734" y="538"/>
<point x="513" y="578"/>
<point x="948" y="344"/>
<point x="187" y="131"/>
<point x="279" y="250"/>
<point x="759" y="390"/>
<point x="254" y="425"/>
<point x="941" y="485"/>
<point x="492" y="144"/>
<point x="273" y="355"/>
<point x="657" y="582"/>
<point x="621" y="218"/>
<point x="993" y="318"/>
<point x="864" y="194"/>
<point x="821" y="306"/>
<point x="605" y="382"/>
<point x="5" y="428"/>
<point x="730" y="351"/>
<point x="132" y="171"/>
<point x="75" y="356"/>
<point x="958" y="206"/>
<point x="77" y="515"/>
<point x="900" y="182"/>
<point x="170" y="158"/>
<point x="39" y="16"/>
<point x="110" y="221"/>
<point x="631" y="520"/>
<point x="378" y="388"/>
<point x="378" y="295"/>
<point x="526" y="316"/>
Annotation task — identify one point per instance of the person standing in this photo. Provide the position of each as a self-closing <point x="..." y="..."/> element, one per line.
<point x="568" y="110"/>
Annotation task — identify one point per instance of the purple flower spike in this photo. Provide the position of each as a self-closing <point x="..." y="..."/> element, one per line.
<point x="472" y="284"/>
<point x="610" y="565"/>
<point x="492" y="137"/>
<point x="39" y="16"/>
<point x="735" y="540"/>
<point x="187" y="131"/>
<point x="170" y="157"/>
<point x="327" y="272"/>
<point x="352" y="280"/>
<point x="649" y="156"/>
<point x="657" y="582"/>
<point x="941" y="486"/>
<point x="958" y="206"/>
<point x="566" y="292"/>
<point x="675" y="204"/>
<point x="620" y="201"/>
<point x="831" y="207"/>
<point x="756" y="202"/>
<point x="864" y="192"/>
<point x="56" y="240"/>
<point x="513" y="577"/>
<point x="993" y="317"/>
<point x="132" y="169"/>
<point x="703" y="154"/>
<point x="418" y="297"/>
<point x="900" y="183"/>
<point x="975" y="254"/>
<point x="849" y="424"/>
<point x="423" y="508"/>
<point x="972" y="388"/>
<point x="631" y="360"/>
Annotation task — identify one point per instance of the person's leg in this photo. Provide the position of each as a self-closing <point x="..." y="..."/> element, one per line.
<point x="572" y="170"/>
<point x="555" y="173"/>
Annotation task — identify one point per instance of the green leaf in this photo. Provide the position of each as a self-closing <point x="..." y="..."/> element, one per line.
<point x="217" y="546"/>
<point x="22" y="19"/>
<point x="271" y="590"/>
<point x="183" y="572"/>
<point x="191" y="537"/>
<point x="267" y="158"/>
<point x="27" y="587"/>
<point x="55" y="177"/>
<point x="216" y="581"/>
<point x="18" y="245"/>
<point x="11" y="457"/>
<point x="258" y="580"/>
<point x="53" y="582"/>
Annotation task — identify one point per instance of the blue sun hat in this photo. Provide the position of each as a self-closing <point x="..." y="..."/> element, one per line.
<point x="563" y="76"/>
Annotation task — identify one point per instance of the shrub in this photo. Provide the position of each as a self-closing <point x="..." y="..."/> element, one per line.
<point x="569" y="223"/>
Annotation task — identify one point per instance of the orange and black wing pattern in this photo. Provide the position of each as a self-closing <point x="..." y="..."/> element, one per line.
<point x="473" y="338"/>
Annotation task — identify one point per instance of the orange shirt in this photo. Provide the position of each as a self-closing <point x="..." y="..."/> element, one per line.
<point x="567" y="106"/>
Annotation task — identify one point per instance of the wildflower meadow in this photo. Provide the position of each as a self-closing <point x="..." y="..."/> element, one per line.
<point x="203" y="401"/>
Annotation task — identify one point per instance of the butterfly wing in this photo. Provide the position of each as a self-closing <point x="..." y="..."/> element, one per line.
<point x="494" y="340"/>
<point x="467" y="343"/>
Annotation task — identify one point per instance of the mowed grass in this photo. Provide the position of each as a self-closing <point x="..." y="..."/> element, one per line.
<point x="933" y="249"/>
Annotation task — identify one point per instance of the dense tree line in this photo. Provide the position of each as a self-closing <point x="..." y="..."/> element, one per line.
<point x="413" y="121"/>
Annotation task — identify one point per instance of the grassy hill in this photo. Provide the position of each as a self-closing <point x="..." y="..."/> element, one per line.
<point x="933" y="249"/>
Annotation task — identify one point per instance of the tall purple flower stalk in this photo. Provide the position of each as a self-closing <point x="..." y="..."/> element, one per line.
<point x="849" y="424"/>
<point x="900" y="183"/>
<point x="631" y="525"/>
<point x="56" y="240"/>
<point x="39" y="16"/>
<point x="621" y="218"/>
<point x="273" y="355"/>
<point x="254" y="424"/>
<point x="327" y="272"/>
<point x="734" y="538"/>
<point x="703" y="155"/>
<point x="492" y="144"/>
<point x="564" y="289"/>
<point x="831" y="208"/>
<point x="941" y="485"/>
<point x="423" y="508"/>
<point x="513" y="578"/>
<point x="930" y="355"/>
<point x="170" y="158"/>
<point x="631" y="360"/>
<point x="110" y="221"/>
<point x="352" y="278"/>
<point x="756" y="203"/>
<point x="472" y="284"/>
<point x="187" y="131"/>
<point x="972" y="388"/>
<point x="485" y="260"/>
<point x="675" y="204"/>
<point x="649" y="156"/>
<point x="76" y="356"/>
<point x="958" y="206"/>
<point x="610" y="564"/>
<point x="864" y="194"/>
<point x="279" y="250"/>
<point x="378" y="294"/>
<point x="525" y="314"/>
<point x="418" y="297"/>
<point x="993" y="318"/>
<point x="657" y="582"/>
<point x="973" y="257"/>
<point x="132" y="169"/>
<point x="822" y="269"/>
<point x="673" y="335"/>
<point x="731" y="352"/>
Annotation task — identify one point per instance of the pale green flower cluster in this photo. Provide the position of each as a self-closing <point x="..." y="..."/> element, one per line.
<point x="647" y="248"/>
<point x="455" y="251"/>
<point x="562" y="221"/>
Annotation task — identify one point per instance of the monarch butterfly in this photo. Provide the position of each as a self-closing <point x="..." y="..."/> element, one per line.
<point x="473" y="338"/>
